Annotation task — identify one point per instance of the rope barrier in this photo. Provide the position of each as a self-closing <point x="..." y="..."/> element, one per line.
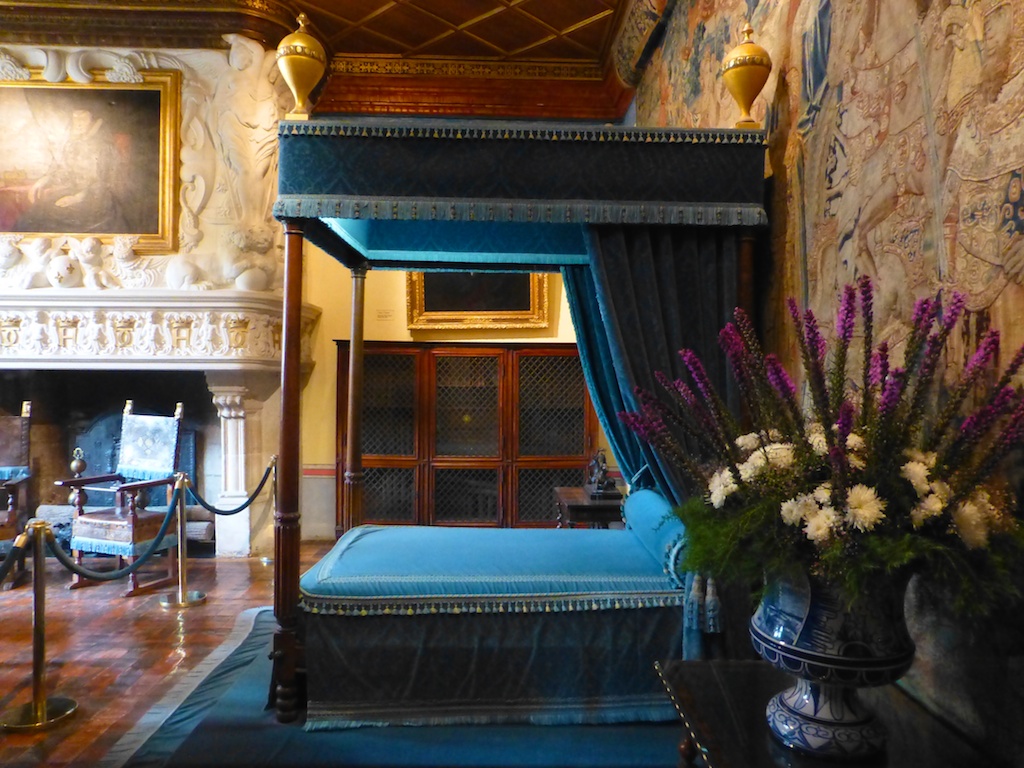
<point x="18" y="547"/>
<point x="64" y="559"/>
<point x="209" y="508"/>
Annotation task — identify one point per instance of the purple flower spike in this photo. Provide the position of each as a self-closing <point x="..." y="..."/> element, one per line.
<point x="844" y="423"/>
<point x="956" y="308"/>
<point x="847" y="314"/>
<point x="891" y="392"/>
<point x="731" y="341"/>
<point x="880" y="365"/>
<point x="815" y="341"/>
<point x="700" y="376"/>
<point x="778" y="377"/>
<point x="924" y="313"/>
<point x="987" y="351"/>
<point x="867" y="298"/>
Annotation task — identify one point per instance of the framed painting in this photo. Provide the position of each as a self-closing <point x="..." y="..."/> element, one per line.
<point x="91" y="159"/>
<point x="499" y="300"/>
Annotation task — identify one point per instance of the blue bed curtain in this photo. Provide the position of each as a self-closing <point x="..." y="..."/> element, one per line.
<point x="648" y="292"/>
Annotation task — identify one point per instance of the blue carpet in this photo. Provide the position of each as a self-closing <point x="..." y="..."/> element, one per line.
<point x="222" y="721"/>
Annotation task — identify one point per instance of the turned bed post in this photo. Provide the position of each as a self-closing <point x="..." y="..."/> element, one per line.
<point x="286" y="682"/>
<point x="353" y="486"/>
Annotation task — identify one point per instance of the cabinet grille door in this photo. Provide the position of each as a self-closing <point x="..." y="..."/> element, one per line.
<point x="466" y="496"/>
<point x="536" y="492"/>
<point x="389" y="494"/>
<point x="389" y="411"/>
<point x="552" y="415"/>
<point x="467" y="406"/>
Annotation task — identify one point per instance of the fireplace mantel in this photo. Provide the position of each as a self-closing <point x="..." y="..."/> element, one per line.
<point x="220" y="330"/>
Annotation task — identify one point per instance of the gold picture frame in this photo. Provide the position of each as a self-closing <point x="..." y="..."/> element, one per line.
<point x="97" y="159"/>
<point x="477" y="300"/>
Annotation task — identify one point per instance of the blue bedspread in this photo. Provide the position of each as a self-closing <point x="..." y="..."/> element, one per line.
<point x="409" y="569"/>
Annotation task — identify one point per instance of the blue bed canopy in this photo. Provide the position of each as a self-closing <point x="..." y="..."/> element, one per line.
<point x="654" y="232"/>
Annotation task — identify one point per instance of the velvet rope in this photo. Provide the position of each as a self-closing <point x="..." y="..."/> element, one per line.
<point x="64" y="559"/>
<point x="17" y="551"/>
<point x="209" y="508"/>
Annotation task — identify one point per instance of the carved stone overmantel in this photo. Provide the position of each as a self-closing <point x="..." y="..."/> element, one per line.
<point x="126" y="329"/>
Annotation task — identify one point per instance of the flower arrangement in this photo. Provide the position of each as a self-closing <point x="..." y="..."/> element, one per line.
<point x="885" y="471"/>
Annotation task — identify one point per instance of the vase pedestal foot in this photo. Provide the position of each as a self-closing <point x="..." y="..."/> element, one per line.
<point x="826" y="721"/>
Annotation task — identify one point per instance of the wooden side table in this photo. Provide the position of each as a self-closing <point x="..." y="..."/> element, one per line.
<point x="575" y="506"/>
<point x="722" y="703"/>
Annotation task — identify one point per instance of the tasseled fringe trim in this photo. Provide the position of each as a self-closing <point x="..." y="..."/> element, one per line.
<point x="119" y="548"/>
<point x="419" y="606"/>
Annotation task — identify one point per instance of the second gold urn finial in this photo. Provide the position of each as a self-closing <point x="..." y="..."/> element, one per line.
<point x="302" y="61"/>
<point x="745" y="71"/>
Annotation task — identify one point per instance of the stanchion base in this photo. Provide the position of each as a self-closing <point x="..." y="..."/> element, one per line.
<point x="23" y="718"/>
<point x="189" y="599"/>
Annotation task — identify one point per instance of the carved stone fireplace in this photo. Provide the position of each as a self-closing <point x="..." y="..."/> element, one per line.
<point x="80" y="354"/>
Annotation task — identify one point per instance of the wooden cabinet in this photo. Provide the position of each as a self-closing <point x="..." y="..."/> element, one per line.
<point x="467" y="434"/>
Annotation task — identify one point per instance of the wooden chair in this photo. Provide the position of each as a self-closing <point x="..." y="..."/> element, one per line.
<point x="15" y="473"/>
<point x="146" y="458"/>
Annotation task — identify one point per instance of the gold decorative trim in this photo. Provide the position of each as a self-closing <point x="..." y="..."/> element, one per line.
<point x="444" y="68"/>
<point x="534" y="317"/>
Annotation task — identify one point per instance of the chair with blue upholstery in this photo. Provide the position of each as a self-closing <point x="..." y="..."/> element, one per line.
<point x="146" y="457"/>
<point x="15" y="474"/>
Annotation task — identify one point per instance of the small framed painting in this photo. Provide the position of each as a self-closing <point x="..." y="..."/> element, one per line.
<point x="500" y="300"/>
<point x="91" y="159"/>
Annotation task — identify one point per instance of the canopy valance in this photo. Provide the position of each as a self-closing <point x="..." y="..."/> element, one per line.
<point x="420" y="195"/>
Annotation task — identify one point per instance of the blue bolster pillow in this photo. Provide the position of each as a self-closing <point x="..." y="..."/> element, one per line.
<point x="651" y="518"/>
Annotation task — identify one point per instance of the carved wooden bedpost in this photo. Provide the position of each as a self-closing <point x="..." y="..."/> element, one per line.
<point x="287" y="682"/>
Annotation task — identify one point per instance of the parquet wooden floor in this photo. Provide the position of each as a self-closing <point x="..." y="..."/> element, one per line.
<point x="116" y="656"/>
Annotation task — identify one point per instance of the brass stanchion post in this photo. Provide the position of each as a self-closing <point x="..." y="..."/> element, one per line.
<point x="42" y="712"/>
<point x="184" y="598"/>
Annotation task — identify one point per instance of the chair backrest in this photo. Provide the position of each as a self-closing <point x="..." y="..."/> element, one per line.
<point x="149" y="444"/>
<point x="14" y="444"/>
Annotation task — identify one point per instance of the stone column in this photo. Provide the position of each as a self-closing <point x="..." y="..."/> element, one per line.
<point x="234" y="531"/>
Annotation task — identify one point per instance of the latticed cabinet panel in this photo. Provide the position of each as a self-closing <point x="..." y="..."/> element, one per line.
<point x="552" y="405"/>
<point x="466" y="405"/>
<point x="466" y="496"/>
<point x="465" y="434"/>
<point x="534" y="492"/>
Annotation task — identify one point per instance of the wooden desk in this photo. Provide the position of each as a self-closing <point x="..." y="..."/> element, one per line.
<point x="575" y="506"/>
<point x="722" y="703"/>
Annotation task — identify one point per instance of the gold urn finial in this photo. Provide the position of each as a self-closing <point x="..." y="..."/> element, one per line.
<point x="302" y="61"/>
<point x="745" y="71"/>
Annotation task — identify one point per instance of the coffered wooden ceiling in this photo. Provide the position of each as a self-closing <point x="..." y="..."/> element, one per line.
<point x="511" y="58"/>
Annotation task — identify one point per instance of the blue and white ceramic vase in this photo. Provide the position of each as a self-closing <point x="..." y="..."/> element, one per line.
<point x="803" y="627"/>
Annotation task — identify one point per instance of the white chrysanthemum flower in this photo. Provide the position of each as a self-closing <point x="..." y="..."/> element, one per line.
<point x="930" y="506"/>
<point x="722" y="483"/>
<point x="971" y="525"/>
<point x="748" y="442"/>
<point x="752" y="467"/>
<point x="794" y="511"/>
<point x="855" y="461"/>
<point x="816" y="438"/>
<point x="780" y="455"/>
<point x="855" y="442"/>
<point x="820" y="525"/>
<point x="774" y="435"/>
<point x="942" y="490"/>
<point x="864" y="510"/>
<point x="823" y="494"/>
<point x="925" y="457"/>
<point x="917" y="473"/>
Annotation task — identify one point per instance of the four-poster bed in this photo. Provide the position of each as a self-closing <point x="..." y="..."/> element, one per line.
<point x="652" y="230"/>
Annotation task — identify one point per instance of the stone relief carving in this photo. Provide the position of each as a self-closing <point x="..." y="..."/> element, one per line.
<point x="230" y="103"/>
